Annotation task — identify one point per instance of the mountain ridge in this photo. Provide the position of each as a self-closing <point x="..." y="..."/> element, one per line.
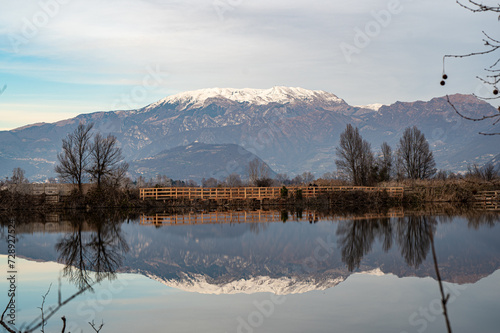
<point x="291" y="129"/>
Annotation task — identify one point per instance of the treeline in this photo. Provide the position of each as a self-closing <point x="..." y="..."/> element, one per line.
<point x="356" y="161"/>
<point x="89" y="157"/>
<point x="411" y="160"/>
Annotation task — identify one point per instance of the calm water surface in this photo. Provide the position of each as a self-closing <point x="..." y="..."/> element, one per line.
<point x="258" y="272"/>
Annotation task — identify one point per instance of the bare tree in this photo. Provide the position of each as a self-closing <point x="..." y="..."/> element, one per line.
<point x="233" y="180"/>
<point x="442" y="174"/>
<point x="282" y="179"/>
<point x="486" y="173"/>
<point x="74" y="159"/>
<point x="18" y="176"/>
<point x="210" y="182"/>
<point x="297" y="180"/>
<point x="161" y="180"/>
<point x="415" y="158"/>
<point x="141" y="181"/>
<point x="355" y="157"/>
<point x="258" y="172"/>
<point x="307" y="177"/>
<point x="106" y="160"/>
<point x="384" y="163"/>
<point x="329" y="176"/>
<point x="492" y="77"/>
<point x="191" y="183"/>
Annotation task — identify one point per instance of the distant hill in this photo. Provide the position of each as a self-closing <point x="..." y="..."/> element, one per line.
<point x="292" y="129"/>
<point x="197" y="161"/>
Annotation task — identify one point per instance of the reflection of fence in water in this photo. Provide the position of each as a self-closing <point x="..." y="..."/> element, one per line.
<point x="258" y="216"/>
<point x="50" y="227"/>
<point x="258" y="193"/>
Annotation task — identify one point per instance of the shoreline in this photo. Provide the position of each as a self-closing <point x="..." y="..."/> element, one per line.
<point x="416" y="193"/>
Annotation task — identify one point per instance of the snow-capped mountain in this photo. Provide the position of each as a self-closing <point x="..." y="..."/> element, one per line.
<point x="260" y="284"/>
<point x="279" y="95"/>
<point x="292" y="129"/>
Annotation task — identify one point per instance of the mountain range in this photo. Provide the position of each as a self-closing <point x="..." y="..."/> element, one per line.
<point x="292" y="129"/>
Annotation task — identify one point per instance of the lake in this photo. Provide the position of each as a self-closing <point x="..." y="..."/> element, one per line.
<point x="260" y="271"/>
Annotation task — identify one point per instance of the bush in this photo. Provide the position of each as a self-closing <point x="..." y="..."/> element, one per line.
<point x="284" y="192"/>
<point x="264" y="182"/>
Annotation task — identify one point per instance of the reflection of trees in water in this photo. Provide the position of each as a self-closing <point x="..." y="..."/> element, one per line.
<point x="95" y="245"/>
<point x="413" y="236"/>
<point x="98" y="252"/>
<point x="356" y="238"/>
<point x="256" y="228"/>
<point x="484" y="219"/>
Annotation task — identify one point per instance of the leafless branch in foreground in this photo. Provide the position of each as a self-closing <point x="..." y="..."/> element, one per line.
<point x="41" y="308"/>
<point x="2" y="322"/>
<point x="493" y="116"/>
<point x="444" y="298"/>
<point x="43" y="318"/>
<point x="492" y="76"/>
<point x="96" y="329"/>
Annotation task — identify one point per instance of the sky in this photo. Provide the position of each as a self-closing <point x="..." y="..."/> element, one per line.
<point x="61" y="58"/>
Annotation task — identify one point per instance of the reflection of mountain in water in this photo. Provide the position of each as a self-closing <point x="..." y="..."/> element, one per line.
<point x="284" y="258"/>
<point x="279" y="286"/>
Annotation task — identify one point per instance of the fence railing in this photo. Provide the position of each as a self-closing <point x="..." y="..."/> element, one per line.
<point x="487" y="196"/>
<point x="258" y="193"/>
<point x="259" y="216"/>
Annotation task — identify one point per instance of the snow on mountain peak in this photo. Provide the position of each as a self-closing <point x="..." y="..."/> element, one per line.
<point x="279" y="286"/>
<point x="276" y="94"/>
<point x="374" y="107"/>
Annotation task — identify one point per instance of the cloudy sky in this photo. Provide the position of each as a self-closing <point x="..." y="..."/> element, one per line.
<point x="60" y="58"/>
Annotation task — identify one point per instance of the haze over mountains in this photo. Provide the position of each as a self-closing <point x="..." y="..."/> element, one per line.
<point x="292" y="129"/>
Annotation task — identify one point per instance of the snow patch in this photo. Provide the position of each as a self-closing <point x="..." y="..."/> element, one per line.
<point x="375" y="272"/>
<point x="374" y="107"/>
<point x="277" y="94"/>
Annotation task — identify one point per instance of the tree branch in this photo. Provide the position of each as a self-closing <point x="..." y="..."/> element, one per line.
<point x="93" y="326"/>
<point x="444" y="298"/>
<point x="41" y="308"/>
<point x="64" y="324"/>
<point x="4" y="324"/>
<point x="474" y="119"/>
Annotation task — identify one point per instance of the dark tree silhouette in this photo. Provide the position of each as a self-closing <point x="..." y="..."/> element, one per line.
<point x="18" y="176"/>
<point x="356" y="238"/>
<point x="415" y="158"/>
<point x="74" y="159"/>
<point x="413" y="236"/>
<point x="100" y="253"/>
<point x="384" y="163"/>
<point x="355" y="157"/>
<point x="106" y="160"/>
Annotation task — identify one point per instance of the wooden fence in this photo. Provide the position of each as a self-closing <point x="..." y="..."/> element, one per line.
<point x="258" y="193"/>
<point x="487" y="196"/>
<point x="488" y="200"/>
<point x="258" y="216"/>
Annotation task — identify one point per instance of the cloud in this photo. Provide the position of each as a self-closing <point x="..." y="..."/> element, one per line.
<point x="244" y="44"/>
